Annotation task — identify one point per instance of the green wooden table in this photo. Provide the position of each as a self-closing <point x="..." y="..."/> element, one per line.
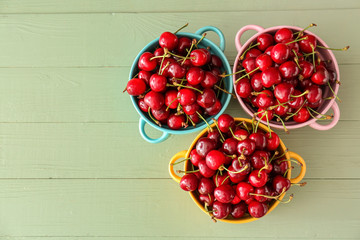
<point x="72" y="162"/>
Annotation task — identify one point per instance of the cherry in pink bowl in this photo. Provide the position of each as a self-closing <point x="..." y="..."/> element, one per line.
<point x="324" y="54"/>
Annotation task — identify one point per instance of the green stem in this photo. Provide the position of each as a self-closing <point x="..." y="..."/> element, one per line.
<point x="208" y="125"/>
<point x="181" y="28"/>
<point x="175" y="163"/>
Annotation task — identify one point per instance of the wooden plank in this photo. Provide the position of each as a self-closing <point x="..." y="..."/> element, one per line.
<point x="96" y="6"/>
<point x="140" y="209"/>
<point x="95" y="95"/>
<point x="68" y="40"/>
<point x="104" y="150"/>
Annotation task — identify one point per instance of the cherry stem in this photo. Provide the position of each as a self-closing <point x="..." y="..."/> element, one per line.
<point x="225" y="180"/>
<point x="246" y="127"/>
<point x="296" y="59"/>
<point x="279" y="119"/>
<point x="268" y="123"/>
<point x="257" y="124"/>
<point x="287" y="171"/>
<point x="175" y="84"/>
<point x="188" y="53"/>
<point x="313" y="56"/>
<point x="302" y="94"/>
<point x="152" y="118"/>
<point x="324" y="116"/>
<point x="175" y="163"/>
<point x="192" y="122"/>
<point x="273" y="197"/>
<point x="217" y="126"/>
<point x="296" y="40"/>
<point x="291" y="115"/>
<point x="163" y="69"/>
<point x="232" y="133"/>
<point x="331" y="89"/>
<point x="291" y="160"/>
<point x="300" y="32"/>
<point x="162" y="56"/>
<point x="226" y="75"/>
<point x="193" y="171"/>
<point x="250" y="47"/>
<point x="334" y="49"/>
<point x="286" y="150"/>
<point x="299" y="184"/>
<point x="264" y="167"/>
<point x="246" y="167"/>
<point x="289" y="200"/>
<point x="202" y="37"/>
<point x="181" y="57"/>
<point x="171" y="103"/>
<point x="181" y="28"/>
<point x="220" y="84"/>
<point x="247" y="74"/>
<point x="275" y="153"/>
<point x="225" y="91"/>
<point x="231" y="156"/>
<point x="202" y="118"/>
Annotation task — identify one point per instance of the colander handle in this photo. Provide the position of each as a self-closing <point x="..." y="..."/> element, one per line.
<point x="334" y="121"/>
<point x="163" y="137"/>
<point x="217" y="31"/>
<point x="172" y="173"/>
<point x="298" y="158"/>
<point x="241" y="32"/>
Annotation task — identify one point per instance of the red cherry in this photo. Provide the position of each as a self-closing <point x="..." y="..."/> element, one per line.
<point x="168" y="40"/>
<point x="307" y="69"/>
<point x="189" y="182"/>
<point x="214" y="159"/>
<point x="191" y="109"/>
<point x="158" y="83"/>
<point x="259" y="139"/>
<point x="229" y="146"/>
<point x="296" y="102"/>
<point x="280" y="53"/>
<point x="283" y="34"/>
<point x="321" y="76"/>
<point x="213" y="110"/>
<point x="273" y="141"/>
<point x="183" y="44"/>
<point x="246" y="147"/>
<point x="208" y="199"/>
<point x="264" y="99"/>
<point x="255" y="82"/>
<point x="280" y="166"/>
<point x="175" y="70"/>
<point x="186" y="96"/>
<point x="264" y="40"/>
<point x="268" y="50"/>
<point x="145" y="63"/>
<point x="165" y="66"/>
<point x="171" y="99"/>
<point x="249" y="64"/>
<point x="206" y="186"/>
<point x="243" y="189"/>
<point x="195" y="158"/>
<point x="270" y="76"/>
<point x="258" y="159"/>
<point x="205" y="170"/>
<point x="204" y="145"/>
<point x="215" y="135"/>
<point x="161" y="114"/>
<point x="308" y="44"/>
<point x="253" y="53"/>
<point x="257" y="210"/>
<point x="289" y="70"/>
<point x="263" y="62"/>
<point x="243" y="88"/>
<point x="221" y="210"/>
<point x="224" y="193"/>
<point x="316" y="104"/>
<point x="302" y="116"/>
<point x="135" y="87"/>
<point x="199" y="57"/>
<point x="221" y="179"/>
<point x="216" y="61"/>
<point x="159" y="52"/>
<point x="236" y="199"/>
<point x="154" y="100"/>
<point x="265" y="114"/>
<point x="209" y="80"/>
<point x="281" y="110"/>
<point x="264" y="190"/>
<point x="257" y="178"/>
<point x="280" y="184"/>
<point x="175" y="121"/>
<point x="195" y="75"/>
<point x="315" y="94"/>
<point x="241" y="133"/>
<point x="304" y="84"/>
<point x="283" y="92"/>
<point x="207" y="98"/>
<point x="242" y="167"/>
<point x="225" y="122"/>
<point x="145" y="75"/>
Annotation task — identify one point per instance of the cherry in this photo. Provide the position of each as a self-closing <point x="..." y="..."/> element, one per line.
<point x="240" y="133"/>
<point x="221" y="179"/>
<point x="205" y="170"/>
<point x="243" y="88"/>
<point x="292" y="81"/>
<point x="321" y="76"/>
<point x="255" y="82"/>
<point x="208" y="199"/>
<point x="257" y="209"/>
<point x="171" y="99"/>
<point x="268" y="50"/>
<point x="215" y="109"/>
<point x="209" y="80"/>
<point x="316" y="104"/>
<point x="221" y="210"/>
<point x="206" y="186"/>
<point x="265" y="114"/>
<point x="161" y="114"/>
<point x="157" y="53"/>
<point x="314" y="95"/>
<point x="224" y="193"/>
<point x="283" y="34"/>
<point x="204" y="145"/>
<point x="191" y="109"/>
<point x="216" y="61"/>
<point x="307" y="69"/>
<point x="289" y="70"/>
<point x="189" y="182"/>
<point x="280" y="166"/>
<point x="195" y="75"/>
<point x="264" y="40"/>
<point x="258" y="159"/>
<point x="229" y="146"/>
<point x="259" y="139"/>
<point x="184" y="43"/>
<point x="214" y="135"/>
<point x="296" y="102"/>
<point x="258" y="178"/>
<point x="304" y="84"/>
<point x="145" y="62"/>
<point x="270" y="76"/>
<point x="154" y="100"/>
<point x="253" y="53"/>
<point x="195" y="158"/>
<point x="308" y="43"/>
<point x="281" y="110"/>
<point x="145" y="75"/>
<point x="175" y="70"/>
<point x="175" y="121"/>
<point x="165" y="66"/>
<point x="158" y="83"/>
<point x="272" y="140"/>
<point x="249" y="64"/>
<point x="280" y="53"/>
<point x="302" y="115"/>
<point x="216" y="72"/>
<point x="281" y="184"/>
<point x="207" y="98"/>
<point x="199" y="57"/>
<point x="241" y="167"/>
<point x="263" y="62"/>
<point x="136" y="87"/>
<point x="243" y="189"/>
<point x="214" y="159"/>
<point x="264" y="99"/>
<point x="283" y="92"/>
<point x="186" y="96"/>
<point x="142" y="105"/>
<point x="168" y="40"/>
<point x="293" y="46"/>
<point x="239" y="210"/>
<point x="225" y="122"/>
<point x="246" y="147"/>
<point x="195" y="118"/>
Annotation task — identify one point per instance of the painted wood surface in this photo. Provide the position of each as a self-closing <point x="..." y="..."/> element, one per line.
<point x="72" y="162"/>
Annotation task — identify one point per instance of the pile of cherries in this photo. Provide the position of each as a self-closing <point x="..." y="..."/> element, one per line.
<point x="178" y="83"/>
<point x="284" y="77"/>
<point x="237" y="170"/>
